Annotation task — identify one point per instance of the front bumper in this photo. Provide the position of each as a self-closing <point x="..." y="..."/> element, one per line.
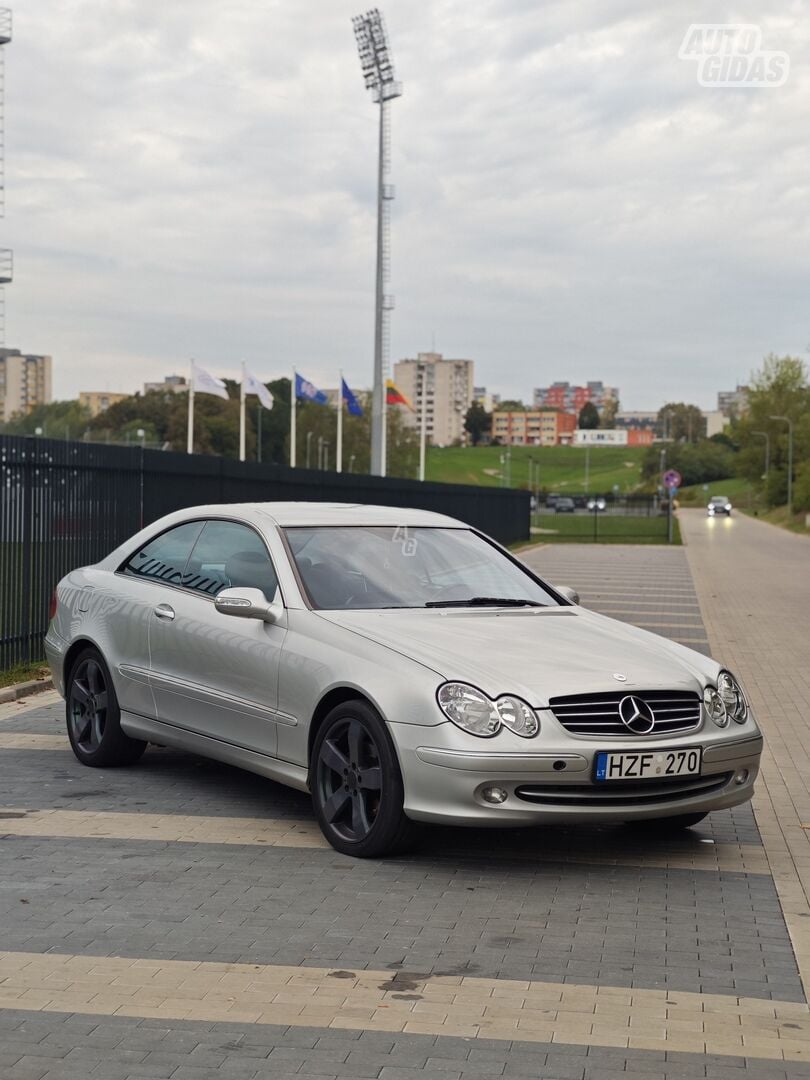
<point x="443" y="783"/>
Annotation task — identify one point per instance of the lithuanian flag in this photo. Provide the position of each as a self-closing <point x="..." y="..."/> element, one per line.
<point x="394" y="396"/>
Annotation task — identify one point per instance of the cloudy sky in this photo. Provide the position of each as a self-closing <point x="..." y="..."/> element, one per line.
<point x="197" y="179"/>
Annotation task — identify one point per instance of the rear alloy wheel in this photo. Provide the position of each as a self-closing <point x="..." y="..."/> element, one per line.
<point x="356" y="784"/>
<point x="93" y="715"/>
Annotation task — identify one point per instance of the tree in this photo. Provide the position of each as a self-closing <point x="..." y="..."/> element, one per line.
<point x="681" y="422"/>
<point x="588" y="417"/>
<point x="779" y="388"/>
<point x="607" y="418"/>
<point x="477" y="422"/>
<point x="58" y="420"/>
<point x="511" y="405"/>
<point x="698" y="463"/>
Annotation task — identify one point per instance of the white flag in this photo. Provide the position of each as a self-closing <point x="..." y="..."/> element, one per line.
<point x="205" y="383"/>
<point x="253" y="386"/>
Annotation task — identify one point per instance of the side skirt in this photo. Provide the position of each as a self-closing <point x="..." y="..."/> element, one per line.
<point x="141" y="727"/>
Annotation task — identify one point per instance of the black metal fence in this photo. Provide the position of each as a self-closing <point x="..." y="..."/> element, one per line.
<point x="68" y="504"/>
<point x="630" y="519"/>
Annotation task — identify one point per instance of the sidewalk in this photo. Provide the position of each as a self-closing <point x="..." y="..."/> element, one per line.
<point x="753" y="581"/>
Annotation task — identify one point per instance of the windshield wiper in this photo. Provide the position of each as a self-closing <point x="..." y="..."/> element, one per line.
<point x="485" y="601"/>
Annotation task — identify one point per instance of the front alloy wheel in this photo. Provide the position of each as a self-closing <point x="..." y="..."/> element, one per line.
<point x="356" y="783"/>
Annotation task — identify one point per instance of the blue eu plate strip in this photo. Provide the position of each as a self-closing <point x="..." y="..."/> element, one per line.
<point x="601" y="766"/>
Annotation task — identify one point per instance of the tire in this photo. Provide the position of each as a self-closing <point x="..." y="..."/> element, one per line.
<point x="669" y="824"/>
<point x="356" y="784"/>
<point x="93" y="716"/>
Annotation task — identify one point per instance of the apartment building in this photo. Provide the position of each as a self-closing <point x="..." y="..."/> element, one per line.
<point x="562" y="395"/>
<point x="172" y="384"/>
<point x="733" y="402"/>
<point x="447" y="386"/>
<point x="98" y="401"/>
<point x="536" y="427"/>
<point x="25" y="382"/>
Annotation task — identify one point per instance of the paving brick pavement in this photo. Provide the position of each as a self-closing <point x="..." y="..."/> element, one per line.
<point x="754" y="585"/>
<point x="641" y="918"/>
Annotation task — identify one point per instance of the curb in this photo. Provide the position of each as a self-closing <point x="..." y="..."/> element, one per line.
<point x="23" y="689"/>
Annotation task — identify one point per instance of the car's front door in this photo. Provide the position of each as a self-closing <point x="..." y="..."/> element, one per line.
<point x="215" y="674"/>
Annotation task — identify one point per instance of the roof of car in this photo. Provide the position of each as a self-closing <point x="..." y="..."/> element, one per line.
<point x="329" y="513"/>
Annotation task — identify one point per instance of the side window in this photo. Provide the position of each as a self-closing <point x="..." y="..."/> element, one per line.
<point x="164" y="558"/>
<point x="229" y="555"/>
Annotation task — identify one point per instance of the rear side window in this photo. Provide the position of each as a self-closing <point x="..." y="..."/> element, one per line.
<point x="164" y="558"/>
<point x="228" y="555"/>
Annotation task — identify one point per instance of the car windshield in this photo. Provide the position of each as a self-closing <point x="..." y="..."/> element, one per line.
<point x="403" y="567"/>
<point x="719" y="499"/>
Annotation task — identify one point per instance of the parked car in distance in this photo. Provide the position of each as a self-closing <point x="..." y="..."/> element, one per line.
<point x="551" y="499"/>
<point x="564" y="505"/>
<point x="719" y="504"/>
<point x="597" y="504"/>
<point x="399" y="666"/>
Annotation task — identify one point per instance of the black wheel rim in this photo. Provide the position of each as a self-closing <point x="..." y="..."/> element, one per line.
<point x="349" y="780"/>
<point x="87" y="706"/>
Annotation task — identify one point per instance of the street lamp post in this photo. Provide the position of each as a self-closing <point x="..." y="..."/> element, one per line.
<point x="767" y="438"/>
<point x="789" y="423"/>
<point x="309" y="443"/>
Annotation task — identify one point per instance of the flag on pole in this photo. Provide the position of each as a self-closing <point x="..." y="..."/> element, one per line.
<point x="352" y="404"/>
<point x="307" y="391"/>
<point x="253" y="386"/>
<point x="202" y="382"/>
<point x="394" y="396"/>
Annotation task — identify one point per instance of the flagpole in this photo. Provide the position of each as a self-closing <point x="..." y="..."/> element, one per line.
<point x="339" y="462"/>
<point x="190" y="440"/>
<point x="292" y="420"/>
<point x="242" y="416"/>
<point x="384" y="446"/>
<point x="423" y="426"/>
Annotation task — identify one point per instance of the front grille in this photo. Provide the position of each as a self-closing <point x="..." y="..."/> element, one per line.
<point x="674" y="711"/>
<point x="633" y="793"/>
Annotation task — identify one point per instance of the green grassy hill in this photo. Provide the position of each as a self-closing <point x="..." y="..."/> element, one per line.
<point x="562" y="468"/>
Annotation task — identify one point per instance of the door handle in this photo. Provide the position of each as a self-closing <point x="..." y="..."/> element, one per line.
<point x="164" y="611"/>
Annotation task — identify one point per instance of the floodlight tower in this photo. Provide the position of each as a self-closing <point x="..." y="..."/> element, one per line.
<point x="6" y="257"/>
<point x="378" y="72"/>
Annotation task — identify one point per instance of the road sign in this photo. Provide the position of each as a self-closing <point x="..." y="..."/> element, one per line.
<point x="672" y="478"/>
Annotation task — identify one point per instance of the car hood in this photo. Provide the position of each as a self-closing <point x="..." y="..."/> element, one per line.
<point x="537" y="653"/>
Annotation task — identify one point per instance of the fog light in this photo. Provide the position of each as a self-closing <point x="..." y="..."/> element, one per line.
<point x="493" y="795"/>
<point x="740" y="776"/>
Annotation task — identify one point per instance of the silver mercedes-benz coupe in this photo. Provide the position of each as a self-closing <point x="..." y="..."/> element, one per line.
<point x="398" y="665"/>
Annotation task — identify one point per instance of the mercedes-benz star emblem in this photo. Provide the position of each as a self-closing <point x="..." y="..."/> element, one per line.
<point x="636" y="715"/>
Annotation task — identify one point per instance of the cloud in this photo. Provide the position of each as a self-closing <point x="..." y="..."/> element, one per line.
<point x="188" y="179"/>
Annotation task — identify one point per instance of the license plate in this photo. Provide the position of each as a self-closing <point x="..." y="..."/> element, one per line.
<point x="648" y="764"/>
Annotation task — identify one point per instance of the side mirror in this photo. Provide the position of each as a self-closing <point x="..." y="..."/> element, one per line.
<point x="569" y="594"/>
<point x="247" y="603"/>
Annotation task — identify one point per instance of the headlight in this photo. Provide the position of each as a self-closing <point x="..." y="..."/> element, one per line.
<point x="733" y="697"/>
<point x="715" y="706"/>
<point x="517" y="716"/>
<point x="473" y="711"/>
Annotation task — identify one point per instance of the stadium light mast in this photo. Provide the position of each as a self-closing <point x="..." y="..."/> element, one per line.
<point x="378" y="73"/>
